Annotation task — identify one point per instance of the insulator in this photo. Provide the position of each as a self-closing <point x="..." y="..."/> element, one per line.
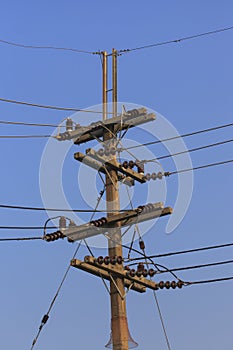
<point x="161" y="284"/>
<point x="127" y="268"/>
<point x="101" y="152"/>
<point x="148" y="176"/>
<point x="140" y="167"/>
<point x="131" y="164"/>
<point x="62" y="222"/>
<point x="151" y="272"/>
<point x="139" y="273"/>
<point x="140" y="208"/>
<point x="102" y="221"/>
<point x="113" y="260"/>
<point x="133" y="113"/>
<point x="153" y="176"/>
<point x="119" y="260"/>
<point x="173" y="284"/>
<point x="160" y="175"/>
<point x="69" y="124"/>
<point x="132" y="273"/>
<point x="100" y="260"/>
<point x="142" y="245"/>
<point x="107" y="151"/>
<point x="167" y="284"/>
<point x="151" y="206"/>
<point x="97" y="223"/>
<point x="125" y="164"/>
<point x="145" y="273"/>
<point x="106" y="260"/>
<point x="140" y="267"/>
<point x="113" y="150"/>
<point x="180" y="284"/>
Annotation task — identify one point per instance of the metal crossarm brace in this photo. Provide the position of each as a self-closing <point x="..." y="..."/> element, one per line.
<point x="83" y="134"/>
<point x="128" y="218"/>
<point x="90" y="265"/>
<point x="96" y="162"/>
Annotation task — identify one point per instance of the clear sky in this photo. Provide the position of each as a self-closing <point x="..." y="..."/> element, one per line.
<point x="190" y="84"/>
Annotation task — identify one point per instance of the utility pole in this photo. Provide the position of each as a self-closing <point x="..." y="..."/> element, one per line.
<point x="111" y="268"/>
<point x="119" y="326"/>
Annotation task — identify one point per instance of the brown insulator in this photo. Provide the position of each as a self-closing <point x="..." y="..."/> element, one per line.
<point x="140" y="267"/>
<point x="106" y="260"/>
<point x="131" y="164"/>
<point x="151" y="272"/>
<point x="119" y="260"/>
<point x="125" y="164"/>
<point x="161" y="284"/>
<point x="153" y="176"/>
<point x="167" y="284"/>
<point x="132" y="273"/>
<point x="148" y="176"/>
<point x="145" y="273"/>
<point x="100" y="260"/>
<point x="180" y="284"/>
<point x="113" y="260"/>
<point x="107" y="151"/>
<point x="160" y="175"/>
<point x="173" y="284"/>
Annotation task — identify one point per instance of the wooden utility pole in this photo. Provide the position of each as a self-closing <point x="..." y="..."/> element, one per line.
<point x="119" y="326"/>
<point x="111" y="268"/>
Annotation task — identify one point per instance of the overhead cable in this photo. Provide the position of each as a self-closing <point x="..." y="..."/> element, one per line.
<point x="71" y="109"/>
<point x="49" y="47"/>
<point x="186" y="251"/>
<point x="190" y="37"/>
<point x="179" y="136"/>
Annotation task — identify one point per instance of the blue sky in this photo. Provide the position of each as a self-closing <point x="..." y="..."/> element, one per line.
<point x="190" y="84"/>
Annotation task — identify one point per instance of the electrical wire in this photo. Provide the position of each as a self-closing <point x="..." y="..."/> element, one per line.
<point x="30" y="124"/>
<point x="189" y="150"/>
<point x="21" y="239"/>
<point x="176" y="40"/>
<point x="179" y="136"/>
<point x="57" y="209"/>
<point x="49" y="107"/>
<point x="225" y="262"/>
<point x="25" y="227"/>
<point x="24" y="136"/>
<point x="46" y="47"/>
<point x="210" y="281"/>
<point x="185" y="251"/>
<point x="201" y="167"/>
<point x="46" y="316"/>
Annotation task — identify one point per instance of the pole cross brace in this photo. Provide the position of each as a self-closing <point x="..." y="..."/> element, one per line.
<point x="105" y="273"/>
<point x="99" y="163"/>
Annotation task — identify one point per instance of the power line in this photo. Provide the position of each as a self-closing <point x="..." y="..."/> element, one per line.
<point x="71" y="109"/>
<point x="24" y="136"/>
<point x="176" y="40"/>
<point x="201" y="167"/>
<point x="21" y="239"/>
<point x="25" y="227"/>
<point x="210" y="280"/>
<point x="190" y="150"/>
<point x="46" y="47"/>
<point x="30" y="124"/>
<point x="179" y="136"/>
<point x="46" y="316"/>
<point x="6" y="206"/>
<point x="193" y="267"/>
<point x="187" y="251"/>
